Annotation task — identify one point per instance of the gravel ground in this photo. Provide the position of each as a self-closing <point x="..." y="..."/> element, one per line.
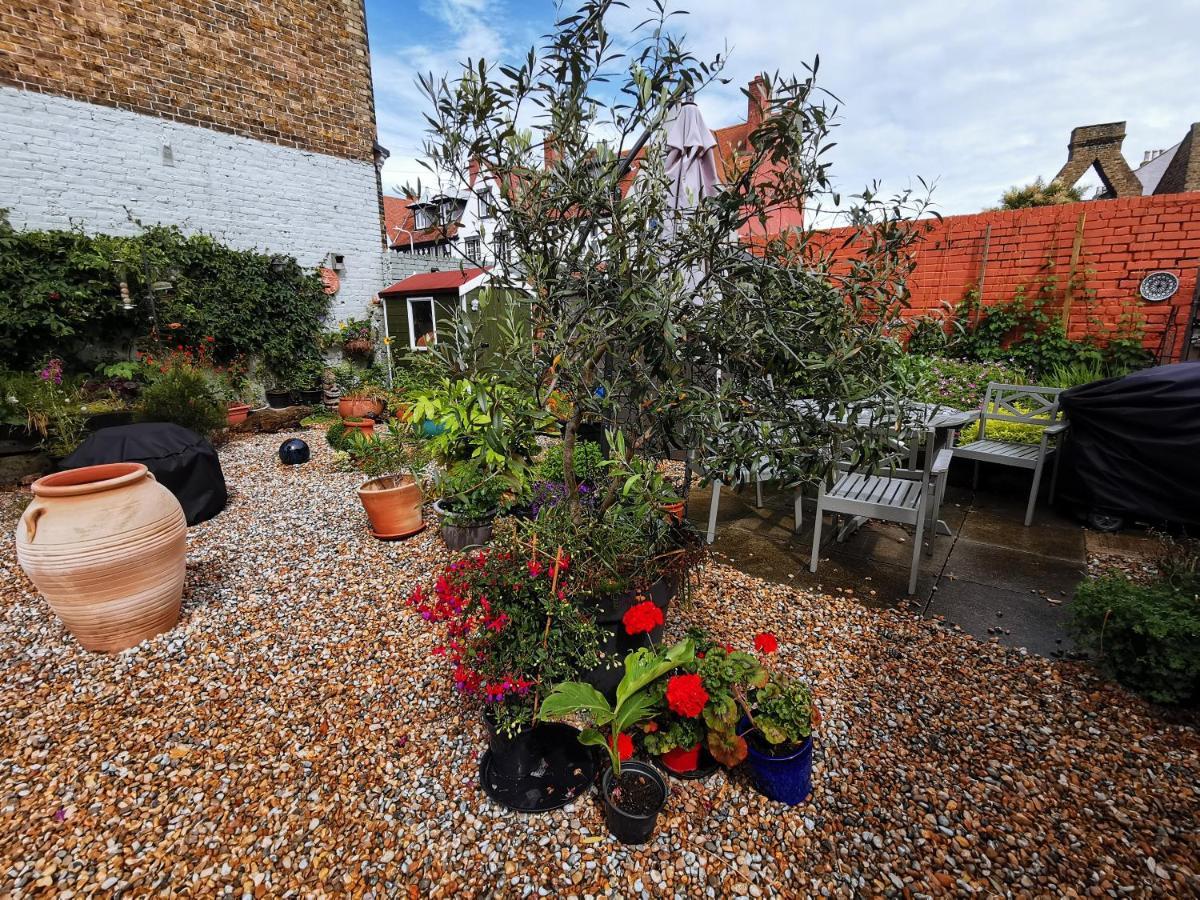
<point x="292" y="735"/>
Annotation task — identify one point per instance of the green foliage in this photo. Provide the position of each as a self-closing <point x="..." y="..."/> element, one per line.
<point x="783" y="712"/>
<point x="588" y="464"/>
<point x="1029" y="333"/>
<point x="1038" y="193"/>
<point x="183" y="395"/>
<point x="63" y="290"/>
<point x="958" y="383"/>
<point x="677" y="733"/>
<point x="471" y="495"/>
<point x="1146" y="636"/>
<point x="634" y="703"/>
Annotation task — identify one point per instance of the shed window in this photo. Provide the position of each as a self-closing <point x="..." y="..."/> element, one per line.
<point x="422" y="323"/>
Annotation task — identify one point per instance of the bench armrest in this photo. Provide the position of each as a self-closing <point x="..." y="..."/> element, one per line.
<point x="941" y="462"/>
<point x="1057" y="428"/>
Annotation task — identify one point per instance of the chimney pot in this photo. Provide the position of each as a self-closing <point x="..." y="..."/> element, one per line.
<point x="757" y="102"/>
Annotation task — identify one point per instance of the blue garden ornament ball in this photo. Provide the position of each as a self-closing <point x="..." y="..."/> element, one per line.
<point x="293" y="452"/>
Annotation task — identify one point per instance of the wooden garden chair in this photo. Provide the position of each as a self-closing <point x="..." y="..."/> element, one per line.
<point x="1027" y="405"/>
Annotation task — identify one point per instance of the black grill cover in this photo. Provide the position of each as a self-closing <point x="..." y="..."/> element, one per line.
<point x="182" y="461"/>
<point x="1134" y="445"/>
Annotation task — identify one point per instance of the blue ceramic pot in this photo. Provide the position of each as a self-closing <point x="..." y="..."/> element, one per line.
<point x="787" y="779"/>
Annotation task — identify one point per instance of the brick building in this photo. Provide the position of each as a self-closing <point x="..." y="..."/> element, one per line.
<point x="251" y="120"/>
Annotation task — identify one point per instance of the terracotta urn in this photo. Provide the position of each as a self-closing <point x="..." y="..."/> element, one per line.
<point x="365" y="427"/>
<point x="105" y="545"/>
<point x="237" y="412"/>
<point x="393" y="504"/>
<point x="352" y="407"/>
<point x="674" y="511"/>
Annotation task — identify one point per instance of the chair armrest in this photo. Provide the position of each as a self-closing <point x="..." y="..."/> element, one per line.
<point x="1057" y="428"/>
<point x="941" y="462"/>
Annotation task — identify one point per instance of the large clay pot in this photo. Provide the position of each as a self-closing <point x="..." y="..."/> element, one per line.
<point x="365" y="427"/>
<point x="352" y="407"/>
<point x="105" y="545"/>
<point x="393" y="504"/>
<point x="237" y="413"/>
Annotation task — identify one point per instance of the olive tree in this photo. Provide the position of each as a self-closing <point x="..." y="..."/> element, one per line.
<point x="666" y="328"/>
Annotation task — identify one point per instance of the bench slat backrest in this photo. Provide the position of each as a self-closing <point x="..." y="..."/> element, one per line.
<point x="1028" y="404"/>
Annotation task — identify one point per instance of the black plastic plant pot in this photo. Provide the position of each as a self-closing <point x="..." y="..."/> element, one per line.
<point x="279" y="399"/>
<point x="515" y="756"/>
<point x="643" y="788"/>
<point x="460" y="537"/>
<point x="537" y="769"/>
<point x="310" y="398"/>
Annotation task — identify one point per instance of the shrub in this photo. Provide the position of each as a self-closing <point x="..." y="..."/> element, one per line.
<point x="183" y="395"/>
<point x="588" y="463"/>
<point x="1146" y="636"/>
<point x="959" y="383"/>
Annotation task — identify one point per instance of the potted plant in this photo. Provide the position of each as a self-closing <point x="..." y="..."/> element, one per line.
<point x="279" y="396"/>
<point x="507" y="631"/>
<point x="366" y="399"/>
<point x="357" y="338"/>
<point x="470" y="500"/>
<point x="392" y="494"/>
<point x="676" y="741"/>
<point x="634" y="793"/>
<point x="777" y="728"/>
<point x="306" y="384"/>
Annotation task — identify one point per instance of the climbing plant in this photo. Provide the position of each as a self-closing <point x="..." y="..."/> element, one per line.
<point x="66" y="292"/>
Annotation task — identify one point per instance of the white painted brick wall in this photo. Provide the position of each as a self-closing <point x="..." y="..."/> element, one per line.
<point x="63" y="162"/>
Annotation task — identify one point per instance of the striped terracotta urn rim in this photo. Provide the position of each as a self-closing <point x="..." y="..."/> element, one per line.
<point x="89" y="479"/>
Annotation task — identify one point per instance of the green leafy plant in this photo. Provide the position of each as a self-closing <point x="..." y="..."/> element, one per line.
<point x="782" y="713"/>
<point x="1039" y="193"/>
<point x="183" y="395"/>
<point x="471" y="495"/>
<point x="673" y="733"/>
<point x="588" y="462"/>
<point x="1146" y="636"/>
<point x="634" y="702"/>
<point x="68" y="290"/>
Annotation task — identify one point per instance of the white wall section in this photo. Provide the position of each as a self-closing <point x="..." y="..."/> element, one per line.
<point x="64" y="163"/>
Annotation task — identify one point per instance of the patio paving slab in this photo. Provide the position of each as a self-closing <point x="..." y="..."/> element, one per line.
<point x="1013" y="570"/>
<point x="1007" y="617"/>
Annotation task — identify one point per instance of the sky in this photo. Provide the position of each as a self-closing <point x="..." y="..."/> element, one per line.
<point x="971" y="95"/>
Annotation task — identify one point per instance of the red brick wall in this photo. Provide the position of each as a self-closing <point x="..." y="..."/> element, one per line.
<point x="291" y="72"/>
<point x="1122" y="241"/>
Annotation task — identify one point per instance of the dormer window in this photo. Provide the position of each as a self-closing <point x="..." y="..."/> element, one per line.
<point x="421" y="218"/>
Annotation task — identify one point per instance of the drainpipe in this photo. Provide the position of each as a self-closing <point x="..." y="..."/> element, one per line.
<point x="387" y="343"/>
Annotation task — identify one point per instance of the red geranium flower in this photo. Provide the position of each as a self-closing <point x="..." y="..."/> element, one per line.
<point x="624" y="746"/>
<point x="765" y="642"/>
<point x="686" y="695"/>
<point x="642" y="619"/>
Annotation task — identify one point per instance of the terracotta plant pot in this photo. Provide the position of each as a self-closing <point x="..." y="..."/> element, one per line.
<point x="237" y="412"/>
<point x="105" y="545"/>
<point x="352" y="407"/>
<point x="366" y="427"/>
<point x="393" y="504"/>
<point x="674" y="510"/>
<point x="403" y="412"/>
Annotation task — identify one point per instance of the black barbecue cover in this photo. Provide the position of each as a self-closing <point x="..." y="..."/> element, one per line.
<point x="183" y="462"/>
<point x="1134" y="445"/>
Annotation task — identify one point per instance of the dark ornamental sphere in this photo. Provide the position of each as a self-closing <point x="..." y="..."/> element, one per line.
<point x="293" y="452"/>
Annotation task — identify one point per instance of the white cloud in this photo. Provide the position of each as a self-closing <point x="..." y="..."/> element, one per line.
<point x="977" y="96"/>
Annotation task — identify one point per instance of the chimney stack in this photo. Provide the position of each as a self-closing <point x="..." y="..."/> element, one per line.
<point x="756" y="106"/>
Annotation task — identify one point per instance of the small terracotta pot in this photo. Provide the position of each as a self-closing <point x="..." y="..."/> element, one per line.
<point x="674" y="510"/>
<point x="366" y="427"/>
<point x="105" y="545"/>
<point x="237" y="412"/>
<point x="352" y="407"/>
<point x="393" y="504"/>
<point x="403" y="412"/>
<point x="682" y="759"/>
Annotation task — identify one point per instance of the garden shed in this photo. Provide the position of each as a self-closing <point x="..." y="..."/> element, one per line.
<point x="420" y="306"/>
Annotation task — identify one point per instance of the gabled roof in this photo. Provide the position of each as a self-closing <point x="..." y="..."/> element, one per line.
<point x="461" y="280"/>
<point x="399" y="220"/>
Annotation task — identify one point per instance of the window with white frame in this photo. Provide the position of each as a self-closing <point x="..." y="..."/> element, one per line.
<point x="422" y="323"/>
<point x="471" y="248"/>
<point x="421" y="218"/>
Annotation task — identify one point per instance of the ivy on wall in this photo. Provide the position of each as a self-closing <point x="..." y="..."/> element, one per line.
<point x="64" y="292"/>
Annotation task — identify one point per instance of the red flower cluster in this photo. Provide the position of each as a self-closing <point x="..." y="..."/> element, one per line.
<point x="686" y="695"/>
<point x="624" y="746"/>
<point x="642" y="618"/>
<point x="468" y="619"/>
<point x="766" y="642"/>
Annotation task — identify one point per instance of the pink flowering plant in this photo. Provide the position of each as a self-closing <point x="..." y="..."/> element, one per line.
<point x="508" y="628"/>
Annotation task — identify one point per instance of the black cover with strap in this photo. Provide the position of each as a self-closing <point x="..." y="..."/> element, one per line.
<point x="183" y="462"/>
<point x="1134" y="445"/>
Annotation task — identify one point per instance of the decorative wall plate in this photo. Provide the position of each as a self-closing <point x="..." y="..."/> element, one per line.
<point x="1158" y="286"/>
